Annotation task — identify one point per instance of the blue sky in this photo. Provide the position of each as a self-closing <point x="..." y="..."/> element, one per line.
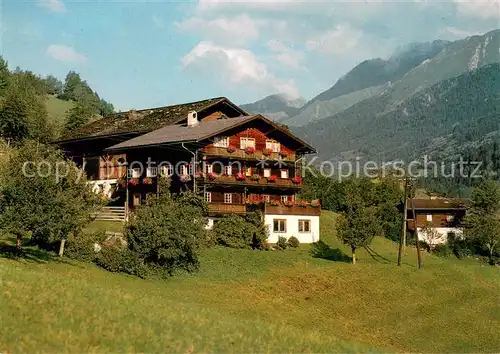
<point x="140" y="54"/>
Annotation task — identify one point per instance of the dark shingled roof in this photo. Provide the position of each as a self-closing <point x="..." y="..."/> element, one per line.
<point x="204" y="130"/>
<point x="141" y="121"/>
<point x="439" y="203"/>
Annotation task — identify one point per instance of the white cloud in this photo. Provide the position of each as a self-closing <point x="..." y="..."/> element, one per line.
<point x="485" y="9"/>
<point x="285" y="55"/>
<point x="52" y="5"/>
<point x="238" y="29"/>
<point x="458" y="32"/>
<point x="65" y="54"/>
<point x="237" y="66"/>
<point x="339" y="40"/>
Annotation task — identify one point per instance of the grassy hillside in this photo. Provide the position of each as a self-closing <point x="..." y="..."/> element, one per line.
<point x="256" y="301"/>
<point x="57" y="109"/>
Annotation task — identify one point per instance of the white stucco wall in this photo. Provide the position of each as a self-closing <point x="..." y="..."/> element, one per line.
<point x="443" y="232"/>
<point x="292" y="228"/>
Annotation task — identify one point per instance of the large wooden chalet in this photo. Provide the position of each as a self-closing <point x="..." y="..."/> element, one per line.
<point x="212" y="147"/>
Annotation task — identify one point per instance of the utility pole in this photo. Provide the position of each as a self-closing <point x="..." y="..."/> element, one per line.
<point x="402" y="239"/>
<point x="416" y="232"/>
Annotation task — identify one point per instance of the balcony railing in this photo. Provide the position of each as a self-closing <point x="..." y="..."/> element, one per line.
<point x="242" y="154"/>
<point x="292" y="210"/>
<point x="223" y="208"/>
<point x="251" y="180"/>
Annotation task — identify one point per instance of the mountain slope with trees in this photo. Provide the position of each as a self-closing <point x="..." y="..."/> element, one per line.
<point x="41" y="108"/>
<point x="464" y="109"/>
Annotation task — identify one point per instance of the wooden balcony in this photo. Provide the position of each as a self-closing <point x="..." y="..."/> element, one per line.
<point x="223" y="208"/>
<point x="261" y="182"/>
<point x="242" y="155"/>
<point x="291" y="210"/>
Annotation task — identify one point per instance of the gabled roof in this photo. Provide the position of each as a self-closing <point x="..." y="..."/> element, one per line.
<point x="145" y="120"/>
<point x="203" y="131"/>
<point x="439" y="203"/>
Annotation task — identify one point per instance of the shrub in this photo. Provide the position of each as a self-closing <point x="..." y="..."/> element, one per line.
<point x="82" y="247"/>
<point x="114" y="259"/>
<point x="442" y="250"/>
<point x="166" y="232"/>
<point x="424" y="246"/>
<point x="260" y="230"/>
<point x="293" y="242"/>
<point x="281" y="244"/>
<point x="234" y="231"/>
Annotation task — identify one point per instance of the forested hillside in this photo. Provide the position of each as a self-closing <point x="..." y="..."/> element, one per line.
<point x="448" y="115"/>
<point x="42" y="108"/>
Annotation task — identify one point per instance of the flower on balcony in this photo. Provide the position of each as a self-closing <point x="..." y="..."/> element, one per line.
<point x="185" y="178"/>
<point x="303" y="204"/>
<point x="200" y="175"/>
<point x="283" y="154"/>
<point x="249" y="149"/>
<point x="273" y="203"/>
<point x="255" y="177"/>
<point x="240" y="176"/>
<point x="288" y="204"/>
<point x="297" y="180"/>
<point x="212" y="176"/>
<point x="267" y="152"/>
<point x="315" y="204"/>
<point x="147" y="180"/>
<point x="272" y="178"/>
<point x="231" y="149"/>
<point x="133" y="182"/>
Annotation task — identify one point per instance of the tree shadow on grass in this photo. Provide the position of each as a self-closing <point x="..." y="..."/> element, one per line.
<point x="322" y="250"/>
<point x="26" y="253"/>
<point x="376" y="256"/>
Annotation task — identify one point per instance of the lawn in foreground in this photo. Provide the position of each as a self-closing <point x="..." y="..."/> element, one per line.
<point x="256" y="301"/>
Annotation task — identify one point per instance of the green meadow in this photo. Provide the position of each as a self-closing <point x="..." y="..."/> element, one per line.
<point x="254" y="301"/>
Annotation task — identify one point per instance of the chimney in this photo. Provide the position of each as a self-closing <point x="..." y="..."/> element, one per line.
<point x="192" y="119"/>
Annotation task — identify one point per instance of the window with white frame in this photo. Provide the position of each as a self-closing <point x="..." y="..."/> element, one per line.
<point x="228" y="170"/>
<point x="151" y="171"/>
<point x="429" y="217"/>
<point x="247" y="142"/>
<point x="304" y="225"/>
<point x="208" y="197"/>
<point x="209" y="168"/>
<point x="273" y="145"/>
<point x="134" y="172"/>
<point x="167" y="170"/>
<point x="284" y="173"/>
<point x="267" y="172"/>
<point x="267" y="198"/>
<point x="228" y="198"/>
<point x="221" y="141"/>
<point x="184" y="170"/>
<point x="284" y="199"/>
<point x="279" y="225"/>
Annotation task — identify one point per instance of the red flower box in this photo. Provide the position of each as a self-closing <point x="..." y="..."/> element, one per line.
<point x="147" y="180"/>
<point x="231" y="149"/>
<point x="267" y="152"/>
<point x="288" y="204"/>
<point x="212" y="176"/>
<point x="272" y="178"/>
<point x="255" y="178"/>
<point x="133" y="182"/>
<point x="297" y="180"/>
<point x="283" y="154"/>
<point x="315" y="204"/>
<point x="303" y="204"/>
<point x="185" y="178"/>
<point x="249" y="149"/>
<point x="273" y="203"/>
<point x="240" y="176"/>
